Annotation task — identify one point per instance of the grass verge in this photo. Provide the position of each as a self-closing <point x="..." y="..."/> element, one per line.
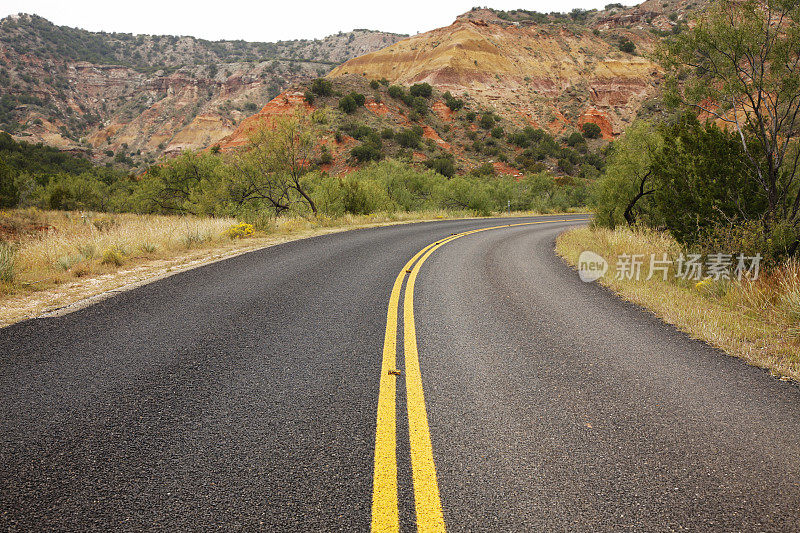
<point x="52" y="259"/>
<point x="758" y="321"/>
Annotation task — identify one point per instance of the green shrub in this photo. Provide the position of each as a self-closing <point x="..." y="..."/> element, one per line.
<point x="444" y="165"/>
<point x="453" y="103"/>
<point x="627" y="46"/>
<point x="358" y="98"/>
<point x="497" y="132"/>
<point x="591" y="130"/>
<point x="368" y="151"/>
<point x="408" y="138"/>
<point x="397" y="92"/>
<point x="374" y="84"/>
<point x="487" y="121"/>
<point x="322" y="87"/>
<point x="575" y="139"/>
<point x="348" y="104"/>
<point x="423" y="90"/>
<point x="420" y="105"/>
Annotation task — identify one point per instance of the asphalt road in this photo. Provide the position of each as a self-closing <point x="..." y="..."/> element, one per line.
<point x="243" y="395"/>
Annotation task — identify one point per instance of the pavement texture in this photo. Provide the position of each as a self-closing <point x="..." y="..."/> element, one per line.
<point x="242" y="396"/>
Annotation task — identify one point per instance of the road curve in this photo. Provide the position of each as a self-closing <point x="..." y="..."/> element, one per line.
<point x="243" y="395"/>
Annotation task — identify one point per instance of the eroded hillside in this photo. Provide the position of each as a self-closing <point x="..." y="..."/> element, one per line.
<point x="132" y="98"/>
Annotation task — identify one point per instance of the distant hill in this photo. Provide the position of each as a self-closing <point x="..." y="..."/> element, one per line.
<point x="512" y="91"/>
<point x="130" y="98"/>
<point x="553" y="71"/>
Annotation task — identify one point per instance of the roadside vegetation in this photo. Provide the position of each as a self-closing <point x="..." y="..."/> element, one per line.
<point x="758" y="321"/>
<point x="716" y="175"/>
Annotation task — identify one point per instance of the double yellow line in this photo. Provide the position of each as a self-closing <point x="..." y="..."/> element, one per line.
<point x="385" y="514"/>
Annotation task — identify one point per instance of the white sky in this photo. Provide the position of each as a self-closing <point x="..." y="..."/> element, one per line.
<point x="269" y="20"/>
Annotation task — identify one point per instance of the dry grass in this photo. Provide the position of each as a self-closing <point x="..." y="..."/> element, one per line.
<point x="52" y="247"/>
<point x="758" y="321"/>
<point x="51" y="259"/>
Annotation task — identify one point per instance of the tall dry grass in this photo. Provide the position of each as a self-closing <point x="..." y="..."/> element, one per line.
<point x="50" y="247"/>
<point x="757" y="320"/>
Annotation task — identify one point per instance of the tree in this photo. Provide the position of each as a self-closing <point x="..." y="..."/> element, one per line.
<point x="700" y="181"/>
<point x="275" y="162"/>
<point x="173" y="187"/>
<point x="628" y="181"/>
<point x="9" y="193"/>
<point x="740" y="65"/>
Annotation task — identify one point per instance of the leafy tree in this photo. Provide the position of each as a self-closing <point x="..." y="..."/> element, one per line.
<point x="701" y="180"/>
<point x="740" y="64"/>
<point x="620" y="196"/>
<point x="275" y="163"/>
<point x="9" y="193"/>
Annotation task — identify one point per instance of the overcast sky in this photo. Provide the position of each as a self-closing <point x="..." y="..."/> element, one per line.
<point x="267" y="20"/>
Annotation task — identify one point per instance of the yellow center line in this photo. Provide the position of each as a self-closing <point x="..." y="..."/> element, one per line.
<point x="385" y="514"/>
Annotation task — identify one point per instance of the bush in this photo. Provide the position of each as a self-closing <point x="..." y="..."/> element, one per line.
<point x="408" y="138"/>
<point x="240" y="231"/>
<point x="113" y="256"/>
<point x="627" y="46"/>
<point x="358" y="98"/>
<point x="375" y="85"/>
<point x="453" y="103"/>
<point x="420" y="105"/>
<point x="486" y="169"/>
<point x="497" y="132"/>
<point x="470" y="116"/>
<point x="591" y="130"/>
<point x="348" y="104"/>
<point x="487" y="121"/>
<point x="444" y="165"/>
<point x="575" y="139"/>
<point x="423" y="90"/>
<point x="397" y="92"/>
<point x="368" y="151"/>
<point x="309" y="96"/>
<point x="322" y="87"/>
